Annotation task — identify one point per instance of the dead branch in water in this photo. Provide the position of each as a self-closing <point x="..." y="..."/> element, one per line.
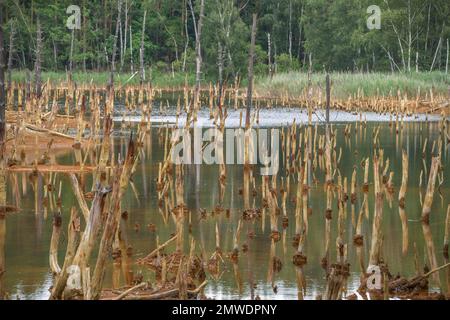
<point x="426" y="210"/>
<point x="374" y="257"/>
<point x="72" y="243"/>
<point x="165" y="244"/>
<point x="56" y="233"/>
<point x="401" y="200"/>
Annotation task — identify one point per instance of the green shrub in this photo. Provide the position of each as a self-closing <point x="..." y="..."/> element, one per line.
<point x="285" y="64"/>
<point x="162" y="66"/>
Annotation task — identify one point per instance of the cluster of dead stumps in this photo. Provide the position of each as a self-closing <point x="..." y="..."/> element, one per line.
<point x="78" y="120"/>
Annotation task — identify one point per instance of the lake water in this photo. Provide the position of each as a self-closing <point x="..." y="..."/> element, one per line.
<point x="28" y="232"/>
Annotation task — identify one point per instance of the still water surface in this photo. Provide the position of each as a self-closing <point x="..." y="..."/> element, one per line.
<point x="28" y="233"/>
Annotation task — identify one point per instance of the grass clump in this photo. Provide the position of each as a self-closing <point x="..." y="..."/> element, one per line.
<point x="345" y="84"/>
<point x="158" y="78"/>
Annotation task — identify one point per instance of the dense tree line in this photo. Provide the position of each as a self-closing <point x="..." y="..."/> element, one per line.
<point x="291" y="34"/>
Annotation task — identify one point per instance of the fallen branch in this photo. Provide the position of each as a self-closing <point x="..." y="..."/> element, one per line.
<point x="50" y="132"/>
<point x="426" y="275"/>
<point x="51" y="168"/>
<point x="165" y="244"/>
<point x="127" y="292"/>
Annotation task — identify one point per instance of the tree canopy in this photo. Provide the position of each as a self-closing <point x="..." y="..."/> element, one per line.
<point x="321" y="34"/>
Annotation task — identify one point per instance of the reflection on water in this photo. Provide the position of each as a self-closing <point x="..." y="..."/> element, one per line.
<point x="28" y="233"/>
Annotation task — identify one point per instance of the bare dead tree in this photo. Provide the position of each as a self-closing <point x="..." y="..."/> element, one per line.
<point x="269" y="55"/>
<point x="141" y="52"/>
<point x="27" y="83"/>
<point x="125" y="33"/>
<point x="290" y="30"/>
<point x="226" y="12"/>
<point x="250" y="72"/>
<point x="38" y="61"/>
<point x="328" y="93"/>
<point x="198" y="51"/>
<point x="220" y="66"/>
<point x="438" y="48"/>
<point x="120" y="44"/>
<point x="11" y="52"/>
<point x="2" y="161"/>
<point x="300" y="30"/>
<point x="446" y="60"/>
<point x="2" y="86"/>
<point x="113" y="55"/>
<point x="428" y="27"/>
<point x="84" y="36"/>
<point x="131" y="52"/>
<point x="186" y="45"/>
<point x="71" y="52"/>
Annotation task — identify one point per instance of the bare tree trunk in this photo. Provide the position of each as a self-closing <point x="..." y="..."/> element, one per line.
<point x="426" y="211"/>
<point x="125" y="32"/>
<point x="290" y="30"/>
<point x="56" y="234"/>
<point x="436" y="53"/>
<point x="113" y="56"/>
<point x="141" y="52"/>
<point x="374" y="256"/>
<point x="269" y="55"/>
<point x="186" y="45"/>
<point x="402" y="52"/>
<point x="300" y="27"/>
<point x="11" y="53"/>
<point x="428" y="28"/>
<point x="2" y="160"/>
<point x="27" y="83"/>
<point x="84" y="37"/>
<point x="131" y="52"/>
<point x="120" y="44"/>
<point x="110" y="226"/>
<point x="55" y="54"/>
<point x="198" y="52"/>
<point x="275" y="62"/>
<point x="250" y="73"/>
<point x="446" y="61"/>
<point x="220" y="65"/>
<point x="409" y="35"/>
<point x="71" y="52"/>
<point x="328" y="92"/>
<point x="417" y="61"/>
<point x="401" y="200"/>
<point x="2" y="84"/>
<point x="38" y="61"/>
<point x="72" y="244"/>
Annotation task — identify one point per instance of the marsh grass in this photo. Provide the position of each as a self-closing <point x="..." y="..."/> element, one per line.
<point x="346" y="84"/>
<point x="159" y="79"/>
<point x="293" y="84"/>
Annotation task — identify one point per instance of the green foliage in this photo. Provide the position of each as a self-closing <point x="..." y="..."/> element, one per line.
<point x="333" y="34"/>
<point x="286" y="64"/>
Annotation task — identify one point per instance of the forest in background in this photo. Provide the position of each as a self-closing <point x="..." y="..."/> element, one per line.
<point x="291" y="35"/>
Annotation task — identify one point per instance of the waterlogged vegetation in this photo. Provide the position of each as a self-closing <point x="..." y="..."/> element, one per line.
<point x="280" y="85"/>
<point x="353" y="84"/>
<point x="94" y="204"/>
<point x="157" y="78"/>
